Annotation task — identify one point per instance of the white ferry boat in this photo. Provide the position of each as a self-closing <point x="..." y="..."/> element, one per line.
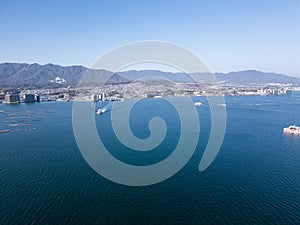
<point x="292" y="130"/>
<point x="99" y="111"/>
<point x="197" y="103"/>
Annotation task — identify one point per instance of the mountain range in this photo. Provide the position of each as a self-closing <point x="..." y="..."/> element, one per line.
<point x="52" y="76"/>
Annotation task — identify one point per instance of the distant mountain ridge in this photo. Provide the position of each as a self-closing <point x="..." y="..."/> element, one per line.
<point x="50" y="75"/>
<point x="255" y="77"/>
<point x="35" y="75"/>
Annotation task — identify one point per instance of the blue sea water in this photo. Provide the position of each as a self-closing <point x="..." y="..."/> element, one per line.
<point x="255" y="178"/>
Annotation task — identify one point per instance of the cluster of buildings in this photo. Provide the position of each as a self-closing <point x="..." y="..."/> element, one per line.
<point x="98" y="97"/>
<point x="137" y="90"/>
<point x="267" y="90"/>
<point x="119" y="92"/>
<point x="58" y="80"/>
<point x="11" y="98"/>
<point x="271" y="90"/>
<point x="28" y="96"/>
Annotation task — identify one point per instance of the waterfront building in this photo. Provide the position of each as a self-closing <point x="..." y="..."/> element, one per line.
<point x="37" y="98"/>
<point x="94" y="98"/>
<point x="102" y="96"/>
<point x="11" y="98"/>
<point x="2" y="96"/>
<point x="28" y="98"/>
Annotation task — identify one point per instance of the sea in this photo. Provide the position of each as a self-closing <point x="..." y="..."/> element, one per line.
<point x="254" y="179"/>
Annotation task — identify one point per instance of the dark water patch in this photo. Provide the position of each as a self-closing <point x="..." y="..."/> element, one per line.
<point x="253" y="180"/>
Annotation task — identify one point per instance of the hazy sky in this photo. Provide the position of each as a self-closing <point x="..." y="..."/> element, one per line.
<point x="226" y="35"/>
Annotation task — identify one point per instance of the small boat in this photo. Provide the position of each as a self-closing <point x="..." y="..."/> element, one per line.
<point x="197" y="103"/>
<point x="15" y="125"/>
<point x="99" y="111"/>
<point x="4" y="131"/>
<point x="20" y="130"/>
<point x="293" y="129"/>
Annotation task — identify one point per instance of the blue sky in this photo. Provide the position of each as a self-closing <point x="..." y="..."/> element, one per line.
<point x="226" y="35"/>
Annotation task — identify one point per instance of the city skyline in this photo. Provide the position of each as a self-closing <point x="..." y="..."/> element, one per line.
<point x="231" y="36"/>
